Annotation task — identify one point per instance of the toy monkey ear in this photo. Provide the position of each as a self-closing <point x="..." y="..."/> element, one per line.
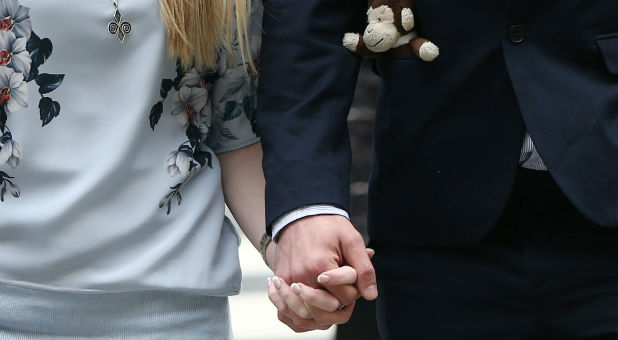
<point x="407" y="19"/>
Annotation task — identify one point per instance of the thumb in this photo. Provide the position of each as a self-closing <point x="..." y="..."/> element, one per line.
<point x="355" y="255"/>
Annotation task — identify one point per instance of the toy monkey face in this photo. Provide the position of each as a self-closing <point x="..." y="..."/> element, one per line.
<point x="381" y="33"/>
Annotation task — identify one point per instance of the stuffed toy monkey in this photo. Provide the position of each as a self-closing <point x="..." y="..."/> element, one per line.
<point x="391" y="31"/>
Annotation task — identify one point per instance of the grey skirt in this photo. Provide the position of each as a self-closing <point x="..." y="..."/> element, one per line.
<point x="34" y="313"/>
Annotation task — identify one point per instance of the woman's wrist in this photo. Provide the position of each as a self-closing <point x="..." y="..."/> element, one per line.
<point x="267" y="250"/>
<point x="270" y="255"/>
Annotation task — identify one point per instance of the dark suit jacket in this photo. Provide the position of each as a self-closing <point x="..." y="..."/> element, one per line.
<point x="448" y="133"/>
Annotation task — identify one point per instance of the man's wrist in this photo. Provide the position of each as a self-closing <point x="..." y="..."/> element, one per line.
<point x="302" y="212"/>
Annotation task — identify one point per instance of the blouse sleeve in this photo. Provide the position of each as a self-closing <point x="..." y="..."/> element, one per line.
<point x="233" y="95"/>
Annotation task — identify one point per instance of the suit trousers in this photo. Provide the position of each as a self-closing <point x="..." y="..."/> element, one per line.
<point x="543" y="271"/>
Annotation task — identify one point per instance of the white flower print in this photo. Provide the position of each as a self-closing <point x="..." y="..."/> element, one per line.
<point x="13" y="90"/>
<point x="16" y="18"/>
<point x="192" y="105"/>
<point x="13" y="53"/>
<point x="10" y="153"/>
<point x="178" y="162"/>
<point x="22" y="53"/>
<point x="191" y="79"/>
<point x="215" y="106"/>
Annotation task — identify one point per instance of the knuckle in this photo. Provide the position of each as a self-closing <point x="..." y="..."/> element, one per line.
<point x="285" y="294"/>
<point x="311" y="299"/>
<point x="366" y="271"/>
<point x="353" y="239"/>
<point x="333" y="306"/>
<point x="347" y="296"/>
<point x="347" y="301"/>
<point x="318" y="266"/>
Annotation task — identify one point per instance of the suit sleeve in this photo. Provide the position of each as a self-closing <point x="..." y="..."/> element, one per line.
<point x="307" y="81"/>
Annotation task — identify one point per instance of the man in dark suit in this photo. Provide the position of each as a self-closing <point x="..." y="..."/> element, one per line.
<point x="493" y="200"/>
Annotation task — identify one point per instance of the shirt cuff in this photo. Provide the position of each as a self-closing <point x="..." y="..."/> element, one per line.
<point x="302" y="212"/>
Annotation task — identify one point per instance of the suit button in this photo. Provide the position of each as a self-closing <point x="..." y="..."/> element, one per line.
<point x="516" y="34"/>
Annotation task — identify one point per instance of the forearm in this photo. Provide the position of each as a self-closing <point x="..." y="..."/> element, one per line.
<point x="307" y="81"/>
<point x="243" y="187"/>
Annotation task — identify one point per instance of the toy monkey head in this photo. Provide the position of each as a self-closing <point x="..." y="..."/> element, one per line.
<point x="388" y="20"/>
<point x="390" y="30"/>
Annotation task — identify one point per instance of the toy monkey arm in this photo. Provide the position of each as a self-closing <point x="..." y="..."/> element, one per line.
<point x="424" y="49"/>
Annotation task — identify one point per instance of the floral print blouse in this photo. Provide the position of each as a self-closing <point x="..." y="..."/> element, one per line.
<point x="108" y="171"/>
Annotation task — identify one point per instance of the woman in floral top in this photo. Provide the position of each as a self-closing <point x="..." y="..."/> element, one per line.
<point x="115" y="164"/>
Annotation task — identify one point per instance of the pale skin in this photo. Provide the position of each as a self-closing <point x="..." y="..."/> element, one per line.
<point x="303" y="308"/>
<point x="300" y="306"/>
<point x="312" y="245"/>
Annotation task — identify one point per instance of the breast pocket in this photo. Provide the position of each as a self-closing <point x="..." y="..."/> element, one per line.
<point x="608" y="44"/>
<point x="408" y="96"/>
<point x="401" y="76"/>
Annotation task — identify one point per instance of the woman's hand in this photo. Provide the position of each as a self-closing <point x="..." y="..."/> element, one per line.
<point x="303" y="308"/>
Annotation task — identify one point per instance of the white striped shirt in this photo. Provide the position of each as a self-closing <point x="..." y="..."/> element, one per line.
<point x="530" y="158"/>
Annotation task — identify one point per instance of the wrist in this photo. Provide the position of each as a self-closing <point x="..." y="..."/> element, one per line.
<point x="265" y="242"/>
<point x="307" y="223"/>
<point x="270" y="255"/>
<point x="302" y="212"/>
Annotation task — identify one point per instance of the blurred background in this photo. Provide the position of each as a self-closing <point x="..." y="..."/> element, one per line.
<point x="253" y="316"/>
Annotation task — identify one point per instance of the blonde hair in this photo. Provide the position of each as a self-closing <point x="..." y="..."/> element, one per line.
<point x="199" y="29"/>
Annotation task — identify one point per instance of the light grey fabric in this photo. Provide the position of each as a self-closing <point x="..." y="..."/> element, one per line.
<point x="92" y="179"/>
<point x="35" y="313"/>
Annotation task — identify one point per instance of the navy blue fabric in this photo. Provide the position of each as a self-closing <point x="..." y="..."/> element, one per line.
<point x="544" y="272"/>
<point x="448" y="133"/>
<point x="307" y="82"/>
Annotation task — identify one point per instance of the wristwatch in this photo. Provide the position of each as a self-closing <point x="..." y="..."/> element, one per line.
<point x="264" y="242"/>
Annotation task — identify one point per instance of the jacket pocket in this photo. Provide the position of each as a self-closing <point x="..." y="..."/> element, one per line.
<point x="608" y="44"/>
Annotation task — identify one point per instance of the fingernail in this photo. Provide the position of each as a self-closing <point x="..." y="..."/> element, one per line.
<point x="270" y="281"/>
<point x="371" y="251"/>
<point x="295" y="288"/>
<point x="277" y="283"/>
<point x="323" y="279"/>
<point x="371" y="292"/>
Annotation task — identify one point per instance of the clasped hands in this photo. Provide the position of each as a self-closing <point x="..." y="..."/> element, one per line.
<point x="322" y="267"/>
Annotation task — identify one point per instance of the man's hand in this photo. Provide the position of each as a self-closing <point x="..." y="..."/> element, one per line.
<point x="315" y="244"/>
